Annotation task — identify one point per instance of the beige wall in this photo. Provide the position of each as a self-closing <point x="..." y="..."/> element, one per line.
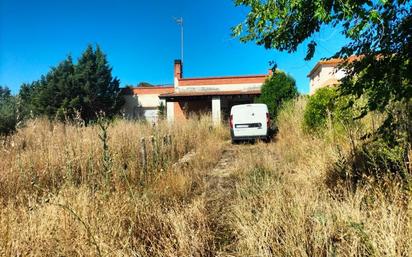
<point x="325" y="75"/>
<point x="148" y="100"/>
<point x="142" y="106"/>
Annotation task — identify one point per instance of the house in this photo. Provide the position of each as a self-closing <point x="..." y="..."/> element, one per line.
<point x="215" y="95"/>
<point x="192" y="96"/>
<point x="327" y="73"/>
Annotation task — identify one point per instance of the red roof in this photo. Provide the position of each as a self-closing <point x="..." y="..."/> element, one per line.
<point x="333" y="62"/>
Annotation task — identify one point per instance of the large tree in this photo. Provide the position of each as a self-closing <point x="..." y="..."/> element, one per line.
<point x="87" y="88"/>
<point x="380" y="32"/>
<point x="100" y="92"/>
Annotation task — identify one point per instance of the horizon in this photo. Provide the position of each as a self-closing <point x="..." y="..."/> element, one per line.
<point x="141" y="41"/>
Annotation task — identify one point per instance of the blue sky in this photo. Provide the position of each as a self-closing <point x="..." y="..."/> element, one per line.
<point x="141" y="40"/>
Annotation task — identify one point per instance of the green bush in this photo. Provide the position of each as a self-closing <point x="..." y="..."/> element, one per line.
<point x="319" y="108"/>
<point x="162" y="111"/>
<point x="277" y="89"/>
<point x="8" y="114"/>
<point x="327" y="109"/>
<point x="375" y="161"/>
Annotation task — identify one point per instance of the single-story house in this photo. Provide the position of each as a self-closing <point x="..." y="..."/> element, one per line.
<point x="214" y="95"/>
<point x="188" y="96"/>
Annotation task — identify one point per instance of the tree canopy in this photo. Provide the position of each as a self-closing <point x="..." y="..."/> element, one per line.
<point x="86" y="88"/>
<point x="277" y="89"/>
<point x="8" y="115"/>
<point x="379" y="32"/>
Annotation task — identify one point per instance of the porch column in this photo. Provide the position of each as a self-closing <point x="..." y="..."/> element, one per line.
<point x="216" y="112"/>
<point x="170" y="111"/>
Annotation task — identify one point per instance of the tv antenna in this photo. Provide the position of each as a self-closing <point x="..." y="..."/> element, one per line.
<point x="179" y="21"/>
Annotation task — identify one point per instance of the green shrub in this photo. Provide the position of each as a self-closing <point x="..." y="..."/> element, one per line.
<point x="327" y="109"/>
<point x="375" y="161"/>
<point x="319" y="108"/>
<point x="8" y="114"/>
<point x="277" y="89"/>
<point x="162" y="111"/>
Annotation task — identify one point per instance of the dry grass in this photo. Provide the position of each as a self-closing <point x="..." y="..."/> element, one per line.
<point x="56" y="200"/>
<point x="284" y="207"/>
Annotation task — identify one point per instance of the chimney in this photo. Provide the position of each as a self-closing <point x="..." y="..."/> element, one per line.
<point x="178" y="69"/>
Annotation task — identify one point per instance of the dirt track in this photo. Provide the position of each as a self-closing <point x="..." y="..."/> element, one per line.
<point x="219" y="193"/>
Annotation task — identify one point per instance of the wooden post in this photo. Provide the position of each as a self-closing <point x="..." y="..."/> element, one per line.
<point x="171" y="149"/>
<point x="154" y="153"/>
<point x="163" y="152"/>
<point x="143" y="157"/>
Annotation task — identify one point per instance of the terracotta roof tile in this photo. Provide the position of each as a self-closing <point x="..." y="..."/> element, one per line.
<point x="334" y="62"/>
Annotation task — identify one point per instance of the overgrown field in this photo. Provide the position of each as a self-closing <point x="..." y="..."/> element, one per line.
<point x="65" y="191"/>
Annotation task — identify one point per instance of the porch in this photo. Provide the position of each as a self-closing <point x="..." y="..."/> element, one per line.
<point x="183" y="105"/>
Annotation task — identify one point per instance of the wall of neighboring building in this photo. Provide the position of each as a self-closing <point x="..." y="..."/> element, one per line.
<point x="325" y="75"/>
<point x="326" y="72"/>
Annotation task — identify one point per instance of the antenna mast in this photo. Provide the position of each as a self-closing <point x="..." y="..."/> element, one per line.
<point x="180" y="22"/>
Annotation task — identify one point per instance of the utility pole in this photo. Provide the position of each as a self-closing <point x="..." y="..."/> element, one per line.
<point x="180" y="22"/>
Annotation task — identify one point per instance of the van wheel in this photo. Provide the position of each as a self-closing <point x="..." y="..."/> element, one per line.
<point x="234" y="142"/>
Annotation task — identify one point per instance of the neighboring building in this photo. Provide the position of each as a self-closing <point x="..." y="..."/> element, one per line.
<point x="324" y="74"/>
<point x="144" y="102"/>
<point x="214" y="95"/>
<point x="327" y="73"/>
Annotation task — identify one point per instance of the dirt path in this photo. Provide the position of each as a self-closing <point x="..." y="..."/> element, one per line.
<point x="219" y="194"/>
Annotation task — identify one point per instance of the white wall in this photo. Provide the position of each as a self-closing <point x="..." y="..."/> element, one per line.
<point x="142" y="106"/>
<point x="149" y="100"/>
<point x="216" y="110"/>
<point x="323" y="75"/>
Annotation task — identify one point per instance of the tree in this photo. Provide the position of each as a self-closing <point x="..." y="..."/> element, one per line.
<point x="145" y="84"/>
<point x="379" y="32"/>
<point x="99" y="91"/>
<point x="277" y="89"/>
<point x="86" y="87"/>
<point x="162" y="110"/>
<point x="8" y="113"/>
<point x="57" y="90"/>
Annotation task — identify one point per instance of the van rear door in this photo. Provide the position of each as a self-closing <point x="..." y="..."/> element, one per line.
<point x="249" y="120"/>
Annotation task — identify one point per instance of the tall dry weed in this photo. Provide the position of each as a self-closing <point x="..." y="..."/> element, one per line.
<point x="285" y="208"/>
<point x="55" y="202"/>
<point x="276" y="200"/>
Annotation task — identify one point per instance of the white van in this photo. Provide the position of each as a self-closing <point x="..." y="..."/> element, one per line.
<point x="249" y="121"/>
